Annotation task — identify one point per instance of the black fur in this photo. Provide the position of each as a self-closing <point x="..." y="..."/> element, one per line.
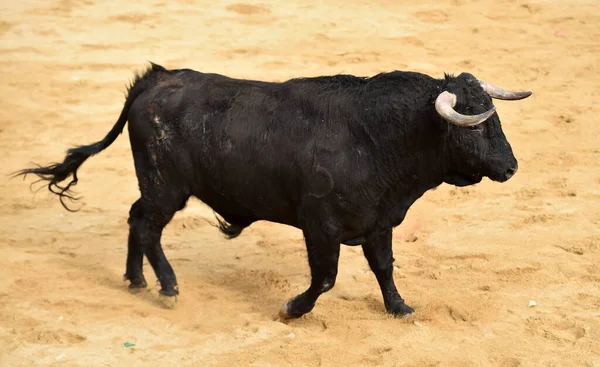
<point x="342" y="158"/>
<point x="228" y="229"/>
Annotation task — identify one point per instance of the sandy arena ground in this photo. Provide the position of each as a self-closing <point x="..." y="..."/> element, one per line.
<point x="469" y="260"/>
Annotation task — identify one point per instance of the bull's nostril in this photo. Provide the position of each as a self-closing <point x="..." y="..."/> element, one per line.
<point x="511" y="171"/>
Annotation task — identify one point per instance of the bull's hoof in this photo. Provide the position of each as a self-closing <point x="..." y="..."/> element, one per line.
<point x="167" y="301"/>
<point x="134" y="289"/>
<point x="284" y="311"/>
<point x="136" y="285"/>
<point x="400" y="309"/>
<point x="294" y="308"/>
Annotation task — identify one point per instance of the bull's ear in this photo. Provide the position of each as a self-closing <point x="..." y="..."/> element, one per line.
<point x="468" y="76"/>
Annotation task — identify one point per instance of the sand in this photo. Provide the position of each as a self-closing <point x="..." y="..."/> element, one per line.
<point x="469" y="260"/>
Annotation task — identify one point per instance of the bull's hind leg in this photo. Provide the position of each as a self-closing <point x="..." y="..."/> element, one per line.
<point x="135" y="253"/>
<point x="145" y="232"/>
<point x="163" y="194"/>
<point x="378" y="251"/>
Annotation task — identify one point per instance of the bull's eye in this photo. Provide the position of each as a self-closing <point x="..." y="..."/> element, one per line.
<point x="476" y="128"/>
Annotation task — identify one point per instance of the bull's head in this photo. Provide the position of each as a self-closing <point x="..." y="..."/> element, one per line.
<point x="476" y="145"/>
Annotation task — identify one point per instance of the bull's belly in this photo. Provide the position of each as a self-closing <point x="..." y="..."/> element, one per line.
<point x="277" y="210"/>
<point x="253" y="208"/>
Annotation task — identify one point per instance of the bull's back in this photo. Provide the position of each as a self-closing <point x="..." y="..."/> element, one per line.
<point x="245" y="148"/>
<point x="228" y="145"/>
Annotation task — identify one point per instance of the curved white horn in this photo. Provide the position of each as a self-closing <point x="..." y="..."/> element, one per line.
<point x="499" y="93"/>
<point x="444" y="105"/>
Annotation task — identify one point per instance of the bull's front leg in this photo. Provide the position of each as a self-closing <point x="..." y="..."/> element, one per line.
<point x="378" y="251"/>
<point x="323" y="254"/>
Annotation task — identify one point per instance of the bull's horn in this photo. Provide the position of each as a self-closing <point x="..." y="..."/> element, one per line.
<point x="499" y="93"/>
<point x="444" y="105"/>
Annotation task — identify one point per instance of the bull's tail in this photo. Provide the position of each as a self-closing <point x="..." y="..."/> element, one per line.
<point x="56" y="173"/>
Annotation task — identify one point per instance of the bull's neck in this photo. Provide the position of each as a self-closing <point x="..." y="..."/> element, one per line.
<point x="408" y="149"/>
<point x="417" y="164"/>
<point x="416" y="168"/>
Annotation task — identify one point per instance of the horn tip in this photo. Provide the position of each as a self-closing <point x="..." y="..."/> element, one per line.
<point x="523" y="95"/>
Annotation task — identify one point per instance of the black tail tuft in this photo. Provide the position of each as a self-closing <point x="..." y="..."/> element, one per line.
<point x="231" y="230"/>
<point x="58" y="172"/>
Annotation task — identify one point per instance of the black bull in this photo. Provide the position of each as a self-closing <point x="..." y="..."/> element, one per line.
<point x="342" y="158"/>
